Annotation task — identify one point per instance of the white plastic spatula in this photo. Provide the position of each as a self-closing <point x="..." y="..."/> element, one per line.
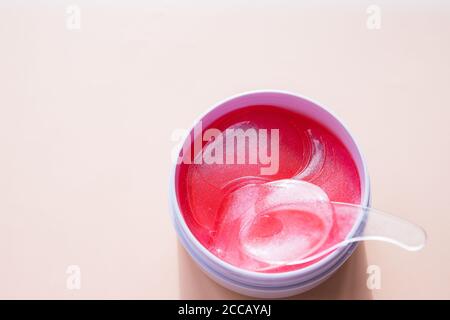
<point x="379" y="226"/>
<point x="292" y="222"/>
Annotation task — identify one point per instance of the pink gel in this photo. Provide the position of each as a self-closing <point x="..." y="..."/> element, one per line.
<point x="242" y="217"/>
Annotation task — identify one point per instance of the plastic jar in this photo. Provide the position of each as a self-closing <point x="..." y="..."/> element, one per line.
<point x="283" y="284"/>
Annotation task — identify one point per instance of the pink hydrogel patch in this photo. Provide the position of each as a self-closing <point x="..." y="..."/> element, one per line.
<point x="242" y="217"/>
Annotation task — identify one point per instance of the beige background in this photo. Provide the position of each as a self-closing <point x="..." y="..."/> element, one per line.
<point x="86" y="118"/>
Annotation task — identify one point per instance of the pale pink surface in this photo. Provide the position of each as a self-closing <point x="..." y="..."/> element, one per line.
<point x="86" y="119"/>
